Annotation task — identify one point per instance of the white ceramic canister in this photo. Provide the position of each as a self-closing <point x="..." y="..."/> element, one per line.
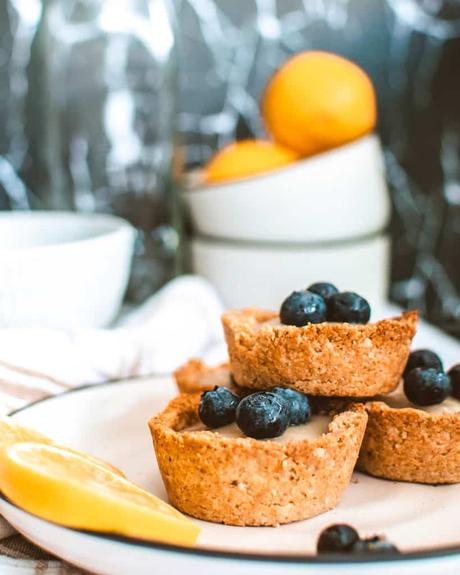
<point x="320" y="219"/>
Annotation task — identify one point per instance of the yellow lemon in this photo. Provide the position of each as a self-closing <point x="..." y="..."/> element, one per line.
<point x="69" y="489"/>
<point x="11" y="433"/>
<point x="317" y="101"/>
<point x="247" y="158"/>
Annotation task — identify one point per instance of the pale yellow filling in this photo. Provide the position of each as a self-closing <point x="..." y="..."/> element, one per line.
<point x="268" y="323"/>
<point x="219" y="377"/>
<point x="314" y="428"/>
<point x="397" y="399"/>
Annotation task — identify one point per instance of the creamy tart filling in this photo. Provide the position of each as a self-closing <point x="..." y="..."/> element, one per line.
<point x="398" y="400"/>
<point x="270" y="322"/>
<point x="314" y="428"/>
<point x="221" y="377"/>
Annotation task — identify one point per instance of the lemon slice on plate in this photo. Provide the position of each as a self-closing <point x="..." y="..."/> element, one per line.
<point x="68" y="488"/>
<point x="11" y="433"/>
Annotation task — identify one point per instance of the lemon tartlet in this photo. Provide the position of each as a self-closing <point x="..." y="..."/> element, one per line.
<point x="328" y="359"/>
<point x="228" y="478"/>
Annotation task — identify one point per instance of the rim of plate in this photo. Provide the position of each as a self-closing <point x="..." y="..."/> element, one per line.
<point x="336" y="558"/>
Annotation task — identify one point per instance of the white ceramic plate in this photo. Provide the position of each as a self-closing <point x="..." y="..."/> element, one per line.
<point x="110" y="421"/>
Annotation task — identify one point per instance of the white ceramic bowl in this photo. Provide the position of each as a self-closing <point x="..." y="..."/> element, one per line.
<point x="264" y="275"/>
<point x="62" y="269"/>
<point x="335" y="195"/>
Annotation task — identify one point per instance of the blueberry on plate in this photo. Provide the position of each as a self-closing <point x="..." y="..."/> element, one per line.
<point x="218" y="407"/>
<point x="348" y="307"/>
<point x="423" y="358"/>
<point x="338" y="538"/>
<point x="374" y="545"/>
<point x="303" y="307"/>
<point x="454" y="374"/>
<point x="298" y="403"/>
<point x="263" y="415"/>
<point x="324" y="289"/>
<point x="426" y="386"/>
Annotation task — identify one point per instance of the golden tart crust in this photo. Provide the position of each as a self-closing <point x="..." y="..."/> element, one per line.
<point x="330" y="359"/>
<point x="408" y="444"/>
<point x="196" y="376"/>
<point x="244" y="481"/>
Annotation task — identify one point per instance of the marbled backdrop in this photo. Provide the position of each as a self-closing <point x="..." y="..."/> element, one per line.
<point x="228" y="49"/>
<point x="410" y="48"/>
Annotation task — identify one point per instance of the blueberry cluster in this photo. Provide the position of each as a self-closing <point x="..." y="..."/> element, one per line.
<point x="425" y="381"/>
<point x="343" y="538"/>
<point x="261" y="415"/>
<point x="321" y="302"/>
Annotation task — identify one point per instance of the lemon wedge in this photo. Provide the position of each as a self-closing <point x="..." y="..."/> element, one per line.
<point x="11" y="433"/>
<point x="69" y="489"/>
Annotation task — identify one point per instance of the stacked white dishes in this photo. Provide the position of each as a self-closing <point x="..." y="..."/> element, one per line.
<point x="321" y="219"/>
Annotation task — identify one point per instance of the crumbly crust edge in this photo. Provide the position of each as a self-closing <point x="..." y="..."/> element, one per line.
<point x="330" y="359"/>
<point x="409" y="444"/>
<point x="282" y="482"/>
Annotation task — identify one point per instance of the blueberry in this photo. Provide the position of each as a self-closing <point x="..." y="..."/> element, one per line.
<point x="218" y="407"/>
<point x="374" y="545"/>
<point x="324" y="289"/>
<point x="262" y="415"/>
<point x="423" y="358"/>
<point x="348" y="307"/>
<point x="454" y="374"/>
<point x="426" y="386"/>
<point x="299" y="404"/>
<point x="338" y="538"/>
<point x="303" y="307"/>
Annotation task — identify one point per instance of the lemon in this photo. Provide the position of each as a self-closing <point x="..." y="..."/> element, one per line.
<point x="317" y="101"/>
<point x="71" y="490"/>
<point x="11" y="433"/>
<point x="247" y="158"/>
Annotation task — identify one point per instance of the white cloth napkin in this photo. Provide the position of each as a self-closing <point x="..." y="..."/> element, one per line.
<point x="181" y="321"/>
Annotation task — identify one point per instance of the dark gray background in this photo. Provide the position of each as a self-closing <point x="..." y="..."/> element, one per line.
<point x="411" y="49"/>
